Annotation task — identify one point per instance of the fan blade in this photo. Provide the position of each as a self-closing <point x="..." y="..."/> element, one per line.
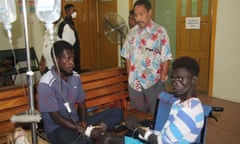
<point x="115" y="28"/>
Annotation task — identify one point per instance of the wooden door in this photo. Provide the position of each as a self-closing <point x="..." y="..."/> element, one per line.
<point x="86" y="28"/>
<point x="195" y="42"/>
<point x="96" y="51"/>
<point x="108" y="51"/>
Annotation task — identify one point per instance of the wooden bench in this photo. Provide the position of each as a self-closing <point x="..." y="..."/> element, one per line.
<point x="103" y="88"/>
<point x="13" y="100"/>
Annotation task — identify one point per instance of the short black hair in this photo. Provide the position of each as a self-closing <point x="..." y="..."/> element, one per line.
<point x="146" y="3"/>
<point x="59" y="46"/>
<point x="68" y="6"/>
<point x="187" y="62"/>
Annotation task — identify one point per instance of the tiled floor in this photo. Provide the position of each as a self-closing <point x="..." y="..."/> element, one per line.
<point x="227" y="129"/>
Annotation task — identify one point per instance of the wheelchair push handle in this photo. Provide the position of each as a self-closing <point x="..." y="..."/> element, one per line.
<point x="217" y="109"/>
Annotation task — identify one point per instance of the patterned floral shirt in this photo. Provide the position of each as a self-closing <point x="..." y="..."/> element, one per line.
<point x="146" y="49"/>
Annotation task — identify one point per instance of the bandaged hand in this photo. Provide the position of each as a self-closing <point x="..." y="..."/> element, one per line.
<point x="143" y="133"/>
<point x="95" y="132"/>
<point x="80" y="129"/>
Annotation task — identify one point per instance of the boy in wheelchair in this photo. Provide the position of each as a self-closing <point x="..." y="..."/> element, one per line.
<point x="185" y="118"/>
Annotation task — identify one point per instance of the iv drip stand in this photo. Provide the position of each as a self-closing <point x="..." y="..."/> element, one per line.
<point x="29" y="74"/>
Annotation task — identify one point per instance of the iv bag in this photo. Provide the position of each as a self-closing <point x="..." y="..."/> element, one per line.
<point x="7" y="12"/>
<point x="48" y="11"/>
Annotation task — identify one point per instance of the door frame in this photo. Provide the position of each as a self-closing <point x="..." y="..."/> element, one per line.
<point x="212" y="46"/>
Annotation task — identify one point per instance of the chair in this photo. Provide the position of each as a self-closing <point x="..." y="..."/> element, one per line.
<point x="163" y="107"/>
<point x="202" y="138"/>
<point x="21" y="61"/>
<point x="207" y="114"/>
<point x="164" y="103"/>
<point x="21" y="56"/>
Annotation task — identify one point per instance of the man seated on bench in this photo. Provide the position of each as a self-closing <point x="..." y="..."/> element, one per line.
<point x="186" y="116"/>
<point x="59" y="89"/>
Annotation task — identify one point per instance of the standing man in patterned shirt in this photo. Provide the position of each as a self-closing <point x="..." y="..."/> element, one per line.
<point x="147" y="53"/>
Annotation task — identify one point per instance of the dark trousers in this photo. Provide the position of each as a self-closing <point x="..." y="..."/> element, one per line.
<point x="61" y="135"/>
<point x="110" y="117"/>
<point x="146" y="99"/>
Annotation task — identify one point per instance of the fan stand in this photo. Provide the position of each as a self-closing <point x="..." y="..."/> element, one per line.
<point x="121" y="39"/>
<point x="116" y="23"/>
<point x="122" y="60"/>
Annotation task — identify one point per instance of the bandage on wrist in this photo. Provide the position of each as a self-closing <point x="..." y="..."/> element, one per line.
<point x="147" y="133"/>
<point x="88" y="130"/>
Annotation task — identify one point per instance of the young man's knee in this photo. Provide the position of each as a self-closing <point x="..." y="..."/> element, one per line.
<point x="117" y="113"/>
<point x="115" y="116"/>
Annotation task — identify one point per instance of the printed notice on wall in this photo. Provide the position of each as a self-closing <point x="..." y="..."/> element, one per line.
<point x="192" y="23"/>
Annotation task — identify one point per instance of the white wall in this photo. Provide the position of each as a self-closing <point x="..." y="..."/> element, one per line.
<point x="227" y="51"/>
<point x="123" y="12"/>
<point x="123" y="9"/>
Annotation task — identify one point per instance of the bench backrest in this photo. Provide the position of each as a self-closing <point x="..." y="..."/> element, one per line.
<point x="105" y="87"/>
<point x="13" y="100"/>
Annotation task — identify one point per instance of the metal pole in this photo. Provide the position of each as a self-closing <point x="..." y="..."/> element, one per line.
<point x="29" y="74"/>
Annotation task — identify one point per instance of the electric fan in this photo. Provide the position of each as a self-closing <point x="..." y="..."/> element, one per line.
<point x="115" y="28"/>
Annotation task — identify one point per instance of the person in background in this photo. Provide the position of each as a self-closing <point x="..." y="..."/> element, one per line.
<point x="131" y="19"/>
<point x="60" y="89"/>
<point x="7" y="64"/>
<point x="186" y="117"/>
<point x="147" y="53"/>
<point x="67" y="32"/>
